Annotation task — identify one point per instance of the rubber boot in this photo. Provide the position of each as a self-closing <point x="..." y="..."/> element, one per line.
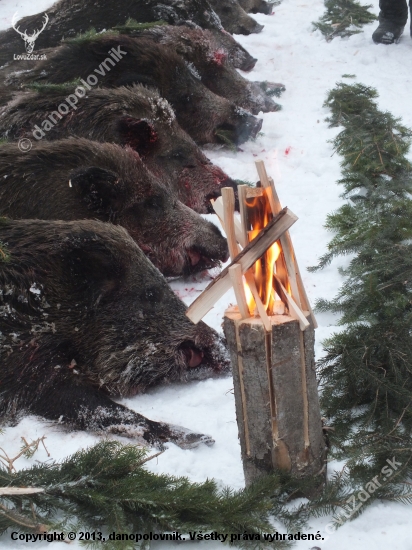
<point x="392" y="21"/>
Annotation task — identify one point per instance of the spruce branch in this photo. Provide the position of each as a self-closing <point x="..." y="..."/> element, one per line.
<point x="107" y="487"/>
<point x="343" y="18"/>
<point x="366" y="371"/>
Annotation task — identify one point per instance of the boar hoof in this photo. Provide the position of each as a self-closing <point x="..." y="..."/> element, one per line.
<point x="186" y="439"/>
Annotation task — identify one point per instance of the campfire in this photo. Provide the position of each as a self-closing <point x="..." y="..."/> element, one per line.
<point x="270" y="335"/>
<point x="271" y="284"/>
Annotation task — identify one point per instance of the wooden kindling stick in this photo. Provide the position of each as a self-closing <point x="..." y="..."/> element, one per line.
<point x="235" y="274"/>
<point x="242" y="194"/>
<point x="298" y="290"/>
<point x="294" y="310"/>
<point x="252" y="252"/>
<point x="16" y="491"/>
<point x="218" y="208"/>
<point x="235" y="271"/>
<point x="275" y="207"/>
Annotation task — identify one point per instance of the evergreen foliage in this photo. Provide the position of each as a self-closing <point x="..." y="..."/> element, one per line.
<point x="366" y="373"/>
<point x="49" y="88"/>
<point x="226" y="137"/>
<point x="343" y="18"/>
<point x="106" y="488"/>
<point x="271" y="91"/>
<point x="132" y="25"/>
<point x="245" y="182"/>
<point x="4" y="254"/>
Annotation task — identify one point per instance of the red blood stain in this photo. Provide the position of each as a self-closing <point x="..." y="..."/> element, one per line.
<point x="218" y="57"/>
<point x="287" y="150"/>
<point x="217" y="173"/>
<point x="254" y="154"/>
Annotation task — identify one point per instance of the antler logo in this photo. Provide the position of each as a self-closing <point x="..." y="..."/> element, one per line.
<point x="29" y="40"/>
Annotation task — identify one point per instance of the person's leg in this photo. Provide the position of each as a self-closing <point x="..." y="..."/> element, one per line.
<point x="392" y="20"/>
<point x="410" y="17"/>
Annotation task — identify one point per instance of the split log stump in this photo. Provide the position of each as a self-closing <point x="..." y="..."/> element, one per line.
<point x="276" y="396"/>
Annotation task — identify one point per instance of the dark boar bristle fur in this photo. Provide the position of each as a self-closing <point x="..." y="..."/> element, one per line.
<point x="79" y="179"/>
<point x="84" y="317"/>
<point x="213" y="63"/>
<point x="131" y="117"/>
<point x="68" y="18"/>
<point x="198" y="110"/>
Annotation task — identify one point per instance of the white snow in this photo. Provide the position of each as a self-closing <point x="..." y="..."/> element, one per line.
<point x="297" y="154"/>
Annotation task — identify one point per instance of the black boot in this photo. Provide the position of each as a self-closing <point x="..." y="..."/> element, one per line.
<point x="387" y="32"/>
<point x="392" y="20"/>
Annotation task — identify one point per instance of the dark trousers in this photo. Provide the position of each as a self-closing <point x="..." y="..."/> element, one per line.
<point x="395" y="11"/>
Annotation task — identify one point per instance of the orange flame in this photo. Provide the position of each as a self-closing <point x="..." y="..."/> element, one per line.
<point x="259" y="215"/>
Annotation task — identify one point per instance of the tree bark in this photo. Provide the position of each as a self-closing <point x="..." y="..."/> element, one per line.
<point x="276" y="396"/>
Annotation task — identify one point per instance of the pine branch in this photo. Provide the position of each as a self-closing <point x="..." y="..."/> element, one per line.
<point x="366" y="372"/>
<point x="107" y="488"/>
<point x="343" y="18"/>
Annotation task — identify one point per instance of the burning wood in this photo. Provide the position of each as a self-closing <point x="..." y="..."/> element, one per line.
<point x="275" y="275"/>
<point x="270" y="335"/>
<point x="247" y="257"/>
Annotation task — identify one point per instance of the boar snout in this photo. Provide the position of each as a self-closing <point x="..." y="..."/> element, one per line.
<point x="257" y="29"/>
<point x="205" y="249"/>
<point x="248" y="129"/>
<point x="248" y="64"/>
<point x="193" y="356"/>
<point x="250" y="26"/>
<point x="265" y="7"/>
<point x="212" y="348"/>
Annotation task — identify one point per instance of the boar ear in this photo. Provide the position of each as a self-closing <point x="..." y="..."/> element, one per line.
<point x="138" y="134"/>
<point x="102" y="190"/>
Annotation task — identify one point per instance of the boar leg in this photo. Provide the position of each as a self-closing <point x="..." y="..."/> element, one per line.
<point x="88" y="409"/>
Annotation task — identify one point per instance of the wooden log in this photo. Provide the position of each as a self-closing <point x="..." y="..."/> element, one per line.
<point x="276" y="397"/>
<point x="252" y="252"/>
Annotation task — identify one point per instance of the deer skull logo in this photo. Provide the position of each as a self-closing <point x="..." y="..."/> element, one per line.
<point x="29" y="39"/>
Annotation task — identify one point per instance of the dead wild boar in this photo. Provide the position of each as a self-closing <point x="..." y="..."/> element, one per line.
<point x="67" y="18"/>
<point x="120" y="60"/>
<point x="129" y="116"/>
<point x="223" y="42"/>
<point x="234" y="18"/>
<point x="213" y="66"/>
<point x="257" y="6"/>
<point x="213" y="42"/>
<point x="84" y="318"/>
<point x="76" y="179"/>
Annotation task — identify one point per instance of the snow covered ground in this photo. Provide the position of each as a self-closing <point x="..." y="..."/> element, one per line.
<point x="297" y="154"/>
